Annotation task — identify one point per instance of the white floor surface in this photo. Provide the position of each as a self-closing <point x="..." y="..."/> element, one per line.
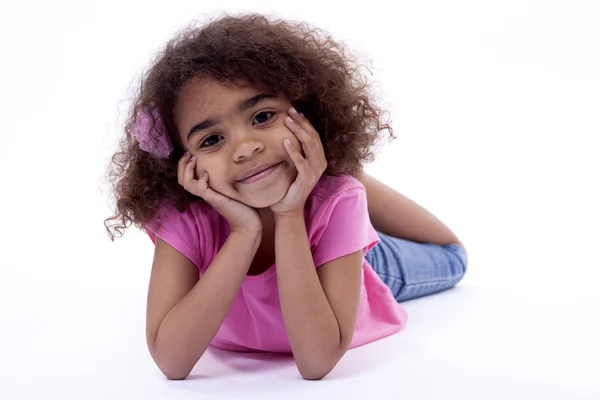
<point x="497" y="111"/>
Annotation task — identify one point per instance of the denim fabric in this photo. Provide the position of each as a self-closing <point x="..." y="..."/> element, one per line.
<point x="413" y="269"/>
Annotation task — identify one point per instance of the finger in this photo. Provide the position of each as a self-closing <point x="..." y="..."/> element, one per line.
<point x="181" y="167"/>
<point x="311" y="146"/>
<point x="202" y="187"/>
<point x="215" y="199"/>
<point x="298" y="131"/>
<point x="199" y="187"/>
<point x="315" y="139"/>
<point x="190" y="183"/>
<point x="299" y="161"/>
<point x="301" y="120"/>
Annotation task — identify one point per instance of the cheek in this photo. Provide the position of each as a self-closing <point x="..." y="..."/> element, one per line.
<point x="217" y="178"/>
<point x="283" y="132"/>
<point x="214" y="175"/>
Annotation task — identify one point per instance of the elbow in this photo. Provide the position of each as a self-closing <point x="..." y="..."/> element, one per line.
<point x="173" y="359"/>
<point x="317" y="369"/>
<point x="321" y="362"/>
<point x="175" y="373"/>
<point x="173" y="369"/>
<point x="313" y="377"/>
<point x="176" y="376"/>
<point x="314" y="374"/>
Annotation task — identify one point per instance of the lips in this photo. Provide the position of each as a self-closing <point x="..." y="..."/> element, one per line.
<point x="256" y="170"/>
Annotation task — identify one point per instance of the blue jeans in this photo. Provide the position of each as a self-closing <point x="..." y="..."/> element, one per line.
<point x="413" y="269"/>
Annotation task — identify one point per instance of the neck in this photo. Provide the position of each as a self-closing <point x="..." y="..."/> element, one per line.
<point x="268" y="220"/>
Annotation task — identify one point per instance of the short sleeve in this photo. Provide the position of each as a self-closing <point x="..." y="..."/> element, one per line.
<point x="347" y="227"/>
<point x="180" y="230"/>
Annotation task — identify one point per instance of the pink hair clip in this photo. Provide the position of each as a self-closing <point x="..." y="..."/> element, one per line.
<point x="154" y="141"/>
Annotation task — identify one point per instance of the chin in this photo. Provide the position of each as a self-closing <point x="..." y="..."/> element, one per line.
<point x="264" y="199"/>
<point x="265" y="196"/>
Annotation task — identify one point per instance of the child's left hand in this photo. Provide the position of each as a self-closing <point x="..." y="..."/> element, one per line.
<point x="309" y="169"/>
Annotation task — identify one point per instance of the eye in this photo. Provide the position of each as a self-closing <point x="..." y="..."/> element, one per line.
<point x="263" y="116"/>
<point x="210" y="141"/>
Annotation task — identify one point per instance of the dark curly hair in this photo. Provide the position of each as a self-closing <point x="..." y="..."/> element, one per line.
<point x="315" y="72"/>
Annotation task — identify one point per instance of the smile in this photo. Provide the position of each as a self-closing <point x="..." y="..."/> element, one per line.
<point x="260" y="175"/>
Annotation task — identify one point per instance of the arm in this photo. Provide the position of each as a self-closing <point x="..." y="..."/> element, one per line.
<point x="319" y="307"/>
<point x="411" y="221"/>
<point x="185" y="313"/>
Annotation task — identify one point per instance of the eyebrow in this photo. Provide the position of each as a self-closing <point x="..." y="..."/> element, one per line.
<point x="242" y="106"/>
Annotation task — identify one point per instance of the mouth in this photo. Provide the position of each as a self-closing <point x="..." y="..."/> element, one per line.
<point x="258" y="173"/>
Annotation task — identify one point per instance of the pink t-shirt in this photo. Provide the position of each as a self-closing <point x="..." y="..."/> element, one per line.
<point x="337" y="224"/>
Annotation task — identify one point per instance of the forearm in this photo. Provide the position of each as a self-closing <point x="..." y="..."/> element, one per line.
<point x="187" y="330"/>
<point x="396" y="215"/>
<point x="310" y="322"/>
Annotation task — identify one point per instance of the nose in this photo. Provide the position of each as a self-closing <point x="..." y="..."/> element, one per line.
<point x="247" y="147"/>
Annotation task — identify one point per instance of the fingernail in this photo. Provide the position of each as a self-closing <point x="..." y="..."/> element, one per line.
<point x="287" y="141"/>
<point x="193" y="159"/>
<point x="288" y="119"/>
<point x="293" y="110"/>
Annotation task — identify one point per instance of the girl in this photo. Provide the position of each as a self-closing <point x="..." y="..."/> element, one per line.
<point x="242" y="160"/>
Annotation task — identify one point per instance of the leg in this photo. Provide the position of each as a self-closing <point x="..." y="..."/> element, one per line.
<point x="396" y="215"/>
<point x="413" y="269"/>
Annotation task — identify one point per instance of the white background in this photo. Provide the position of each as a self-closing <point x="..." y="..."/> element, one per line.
<point x="496" y="106"/>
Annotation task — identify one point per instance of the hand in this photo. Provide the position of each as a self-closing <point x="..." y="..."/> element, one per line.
<point x="239" y="216"/>
<point x="310" y="168"/>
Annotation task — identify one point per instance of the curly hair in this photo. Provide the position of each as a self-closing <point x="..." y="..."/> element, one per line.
<point x="315" y="72"/>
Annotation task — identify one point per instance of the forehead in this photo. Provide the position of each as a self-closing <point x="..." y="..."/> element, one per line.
<point x="207" y="97"/>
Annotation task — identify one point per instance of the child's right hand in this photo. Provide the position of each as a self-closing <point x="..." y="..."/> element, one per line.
<point x="240" y="216"/>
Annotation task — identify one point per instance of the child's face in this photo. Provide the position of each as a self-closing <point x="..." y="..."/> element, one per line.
<point x="230" y="136"/>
